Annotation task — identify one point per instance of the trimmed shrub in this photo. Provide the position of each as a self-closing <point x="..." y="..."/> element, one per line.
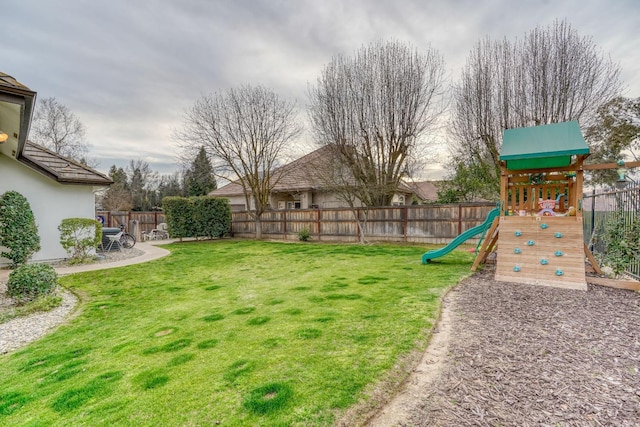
<point x="197" y="216"/>
<point x="18" y="229"/>
<point x="80" y="237"/>
<point x="29" y="281"/>
<point x="177" y="211"/>
<point x="211" y="216"/>
<point x="304" y="234"/>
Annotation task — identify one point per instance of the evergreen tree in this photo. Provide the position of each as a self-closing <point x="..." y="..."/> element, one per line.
<point x="200" y="179"/>
<point x="171" y="185"/>
<point x="142" y="184"/>
<point x="118" y="175"/>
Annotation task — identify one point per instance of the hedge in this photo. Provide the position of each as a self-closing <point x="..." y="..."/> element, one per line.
<point x="197" y="216"/>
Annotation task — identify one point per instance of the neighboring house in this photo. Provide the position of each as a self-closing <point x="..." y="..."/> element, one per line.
<point x="301" y="187"/>
<point x="424" y="191"/>
<point x="56" y="187"/>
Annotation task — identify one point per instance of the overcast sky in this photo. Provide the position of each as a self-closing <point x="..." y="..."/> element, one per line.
<point x="129" y="68"/>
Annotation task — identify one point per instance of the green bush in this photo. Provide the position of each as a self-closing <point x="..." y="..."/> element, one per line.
<point x="622" y="238"/>
<point x="197" y="216"/>
<point x="29" y="281"/>
<point x="212" y="216"/>
<point x="304" y="234"/>
<point x="18" y="230"/>
<point x="177" y="211"/>
<point x="80" y="237"/>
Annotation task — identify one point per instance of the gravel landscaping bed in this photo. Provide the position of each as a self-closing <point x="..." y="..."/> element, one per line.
<point x="20" y="331"/>
<point x="523" y="355"/>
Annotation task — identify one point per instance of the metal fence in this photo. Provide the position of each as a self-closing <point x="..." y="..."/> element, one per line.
<point x="599" y="207"/>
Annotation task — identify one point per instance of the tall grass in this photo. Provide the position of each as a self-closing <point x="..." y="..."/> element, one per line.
<point x="229" y="332"/>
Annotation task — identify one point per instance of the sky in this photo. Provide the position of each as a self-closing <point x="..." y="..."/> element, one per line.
<point x="128" y="69"/>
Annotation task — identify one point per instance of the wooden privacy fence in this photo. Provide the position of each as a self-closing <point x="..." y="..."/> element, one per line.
<point x="420" y="224"/>
<point x="135" y="222"/>
<point x="436" y="224"/>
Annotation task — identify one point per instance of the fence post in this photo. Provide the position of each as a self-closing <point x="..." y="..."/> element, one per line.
<point x="459" y="219"/>
<point x="405" y="223"/>
<point x="284" y="223"/>
<point x="593" y="217"/>
<point x="319" y="224"/>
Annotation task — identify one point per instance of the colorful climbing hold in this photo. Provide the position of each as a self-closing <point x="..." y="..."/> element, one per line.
<point x="558" y="235"/>
<point x="518" y="233"/>
<point x="517" y="250"/>
<point x="516" y="268"/>
<point x="559" y="253"/>
<point x="530" y="243"/>
<point x="544" y="226"/>
<point x="544" y="261"/>
<point x="559" y="272"/>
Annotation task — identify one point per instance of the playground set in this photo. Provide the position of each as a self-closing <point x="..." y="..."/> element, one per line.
<point x="537" y="228"/>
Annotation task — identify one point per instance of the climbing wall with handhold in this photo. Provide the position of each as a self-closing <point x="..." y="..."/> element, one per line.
<point x="542" y="250"/>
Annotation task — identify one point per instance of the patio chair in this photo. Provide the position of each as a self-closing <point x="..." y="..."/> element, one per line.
<point x="114" y="238"/>
<point x="160" y="232"/>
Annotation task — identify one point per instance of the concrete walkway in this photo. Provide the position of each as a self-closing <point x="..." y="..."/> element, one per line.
<point x="151" y="252"/>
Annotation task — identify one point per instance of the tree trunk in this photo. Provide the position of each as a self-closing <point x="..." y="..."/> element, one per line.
<point x="258" y="229"/>
<point x="362" y="224"/>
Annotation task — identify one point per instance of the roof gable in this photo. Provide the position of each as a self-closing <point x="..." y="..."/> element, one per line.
<point x="302" y="174"/>
<point x="16" y="107"/>
<point x="545" y="146"/>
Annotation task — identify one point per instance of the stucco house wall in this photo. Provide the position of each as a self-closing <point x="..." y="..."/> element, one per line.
<point x="50" y="202"/>
<point x="55" y="187"/>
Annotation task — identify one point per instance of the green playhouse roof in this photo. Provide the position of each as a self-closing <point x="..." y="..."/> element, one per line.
<point x="540" y="147"/>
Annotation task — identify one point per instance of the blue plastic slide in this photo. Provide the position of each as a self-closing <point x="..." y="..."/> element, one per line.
<point x="472" y="232"/>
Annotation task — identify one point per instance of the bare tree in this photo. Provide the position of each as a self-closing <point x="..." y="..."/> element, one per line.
<point x="117" y="198"/>
<point x="552" y="75"/>
<point x="373" y="109"/>
<point x="244" y="131"/>
<point x="56" y="128"/>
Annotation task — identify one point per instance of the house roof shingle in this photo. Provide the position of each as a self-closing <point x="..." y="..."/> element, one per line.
<point x="299" y="175"/>
<point x="303" y="174"/>
<point x="9" y="82"/>
<point x="424" y="190"/>
<point x="59" y="168"/>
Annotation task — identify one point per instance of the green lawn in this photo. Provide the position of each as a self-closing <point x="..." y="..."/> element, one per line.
<point x="236" y="332"/>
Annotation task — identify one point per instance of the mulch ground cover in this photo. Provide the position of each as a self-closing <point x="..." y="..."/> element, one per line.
<point x="523" y="355"/>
